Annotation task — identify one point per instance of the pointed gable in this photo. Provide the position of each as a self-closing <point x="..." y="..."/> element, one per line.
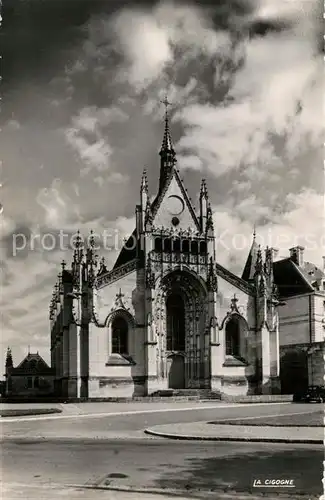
<point x="173" y="202"/>
<point x="249" y="269"/>
<point x="33" y="364"/>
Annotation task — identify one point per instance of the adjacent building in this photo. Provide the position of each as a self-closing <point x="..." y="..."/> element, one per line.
<point x="31" y="378"/>
<point x="301" y="293"/>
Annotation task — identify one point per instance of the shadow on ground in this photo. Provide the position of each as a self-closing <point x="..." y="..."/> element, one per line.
<point x="238" y="472"/>
<point x="312" y="419"/>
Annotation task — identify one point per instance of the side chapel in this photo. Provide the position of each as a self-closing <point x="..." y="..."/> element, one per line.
<point x="168" y="315"/>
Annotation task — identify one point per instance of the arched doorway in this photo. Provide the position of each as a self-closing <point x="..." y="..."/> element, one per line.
<point x="175" y="322"/>
<point x="181" y="302"/>
<point x="119" y="336"/>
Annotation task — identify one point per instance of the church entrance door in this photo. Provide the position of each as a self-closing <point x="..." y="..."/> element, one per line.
<point x="176" y="372"/>
<point x="176" y="340"/>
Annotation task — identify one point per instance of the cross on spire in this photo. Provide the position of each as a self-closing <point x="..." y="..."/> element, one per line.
<point x="166" y="103"/>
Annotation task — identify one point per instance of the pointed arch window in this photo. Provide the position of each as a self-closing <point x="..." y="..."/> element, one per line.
<point x="177" y="245"/>
<point x="233" y="337"/>
<point x="120" y="336"/>
<point x="185" y="246"/>
<point x="194" y="247"/>
<point x="158" y="244"/>
<point x="203" y="247"/>
<point x="167" y="245"/>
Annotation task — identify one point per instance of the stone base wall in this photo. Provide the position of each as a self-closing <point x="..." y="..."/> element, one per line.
<point x="316" y="368"/>
<point x="155" y="384"/>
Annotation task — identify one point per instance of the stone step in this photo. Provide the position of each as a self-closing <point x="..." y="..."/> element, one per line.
<point x="187" y="393"/>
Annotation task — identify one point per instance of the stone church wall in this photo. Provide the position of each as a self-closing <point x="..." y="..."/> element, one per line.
<point x="234" y="377"/>
<point x="107" y="377"/>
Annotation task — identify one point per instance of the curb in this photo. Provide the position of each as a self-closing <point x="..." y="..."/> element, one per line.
<point x="188" y="493"/>
<point x="234" y="439"/>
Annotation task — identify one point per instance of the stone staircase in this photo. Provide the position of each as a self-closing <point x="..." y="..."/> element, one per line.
<point x="187" y="394"/>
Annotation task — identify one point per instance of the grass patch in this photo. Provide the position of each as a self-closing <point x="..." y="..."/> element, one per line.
<point x="28" y="411"/>
<point x="315" y="419"/>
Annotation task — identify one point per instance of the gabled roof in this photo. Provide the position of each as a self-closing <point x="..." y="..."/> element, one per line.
<point x="160" y="197"/>
<point x="32" y="364"/>
<point x="235" y="280"/>
<point x="290" y="279"/>
<point x="128" y="252"/>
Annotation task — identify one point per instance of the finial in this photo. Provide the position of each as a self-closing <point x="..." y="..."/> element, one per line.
<point x="63" y="264"/>
<point x="91" y="239"/>
<point x="204" y="189"/>
<point x="144" y="181"/>
<point x="167" y="141"/>
<point x="254" y="232"/>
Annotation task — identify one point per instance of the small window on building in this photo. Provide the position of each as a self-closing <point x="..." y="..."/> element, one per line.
<point x="29" y="382"/>
<point x="36" y="382"/>
<point x="119" y="336"/>
<point x="167" y="245"/>
<point x="194" y="247"/>
<point x="177" y="245"/>
<point x="185" y="246"/>
<point x="203" y="247"/>
<point x="158" y="244"/>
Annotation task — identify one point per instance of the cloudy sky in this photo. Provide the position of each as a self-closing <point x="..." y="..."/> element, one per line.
<point x="81" y="118"/>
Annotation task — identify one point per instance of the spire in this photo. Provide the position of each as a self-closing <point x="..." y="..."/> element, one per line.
<point x="167" y="145"/>
<point x="167" y="153"/>
<point x="9" y="362"/>
<point x="249" y="269"/>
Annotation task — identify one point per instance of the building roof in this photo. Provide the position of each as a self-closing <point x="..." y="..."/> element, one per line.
<point x="313" y="274"/>
<point x="290" y="279"/>
<point x="128" y="252"/>
<point x="32" y="364"/>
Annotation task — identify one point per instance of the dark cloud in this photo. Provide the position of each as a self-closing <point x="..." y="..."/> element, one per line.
<point x="36" y="32"/>
<point x="263" y="28"/>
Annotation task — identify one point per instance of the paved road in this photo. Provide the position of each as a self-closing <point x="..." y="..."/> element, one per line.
<point x="51" y="453"/>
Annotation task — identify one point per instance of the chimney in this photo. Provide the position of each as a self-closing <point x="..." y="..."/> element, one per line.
<point x="323" y="263"/>
<point x="297" y="255"/>
<point x="274" y="253"/>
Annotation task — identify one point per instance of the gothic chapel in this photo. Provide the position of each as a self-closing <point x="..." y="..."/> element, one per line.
<point x="168" y="315"/>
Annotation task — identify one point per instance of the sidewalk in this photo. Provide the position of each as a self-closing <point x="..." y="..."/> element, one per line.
<point x="60" y="492"/>
<point x="205" y="431"/>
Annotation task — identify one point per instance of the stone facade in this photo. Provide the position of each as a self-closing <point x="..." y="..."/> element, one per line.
<point x="167" y="316"/>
